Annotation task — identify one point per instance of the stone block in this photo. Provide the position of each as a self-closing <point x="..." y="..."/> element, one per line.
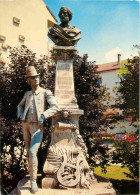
<point x="2" y="38"/>
<point x="16" y="20"/>
<point x="49" y="182"/>
<point x="21" y="37"/>
<point x="5" y="46"/>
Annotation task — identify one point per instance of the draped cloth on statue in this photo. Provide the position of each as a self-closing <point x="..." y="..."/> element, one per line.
<point x="67" y="36"/>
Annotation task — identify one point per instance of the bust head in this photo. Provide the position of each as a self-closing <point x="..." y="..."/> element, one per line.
<point x="64" y="34"/>
<point x="65" y="15"/>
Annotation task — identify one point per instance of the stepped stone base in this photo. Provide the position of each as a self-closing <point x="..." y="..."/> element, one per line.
<point x="102" y="188"/>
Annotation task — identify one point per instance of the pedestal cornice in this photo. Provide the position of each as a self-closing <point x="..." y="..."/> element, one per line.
<point x="64" y="52"/>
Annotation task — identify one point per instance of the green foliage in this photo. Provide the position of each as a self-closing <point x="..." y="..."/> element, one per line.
<point x="127" y="154"/>
<point x="13" y="85"/>
<point x="123" y="69"/>
<point x="129" y="87"/>
<point x="90" y="96"/>
<point x="13" y="159"/>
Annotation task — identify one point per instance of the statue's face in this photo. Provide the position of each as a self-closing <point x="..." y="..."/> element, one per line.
<point x="34" y="81"/>
<point x="64" y="16"/>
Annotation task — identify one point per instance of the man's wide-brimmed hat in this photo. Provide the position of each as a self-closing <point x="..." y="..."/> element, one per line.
<point x="31" y="72"/>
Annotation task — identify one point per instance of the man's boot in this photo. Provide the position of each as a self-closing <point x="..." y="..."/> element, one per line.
<point x="33" y="173"/>
<point x="34" y="187"/>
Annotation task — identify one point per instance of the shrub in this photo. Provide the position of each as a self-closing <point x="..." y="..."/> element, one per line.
<point x="13" y="85"/>
<point x="127" y="154"/>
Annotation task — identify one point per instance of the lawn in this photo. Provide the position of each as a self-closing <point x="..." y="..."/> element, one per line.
<point x="113" y="172"/>
<point x="121" y="183"/>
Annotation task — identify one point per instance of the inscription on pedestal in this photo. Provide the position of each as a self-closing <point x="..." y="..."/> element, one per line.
<point x="63" y="137"/>
<point x="64" y="89"/>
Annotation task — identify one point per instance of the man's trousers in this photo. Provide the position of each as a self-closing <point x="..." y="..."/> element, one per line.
<point x="32" y="135"/>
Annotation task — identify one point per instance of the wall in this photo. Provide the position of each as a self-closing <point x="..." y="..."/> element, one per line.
<point x="123" y="127"/>
<point x="34" y="21"/>
<point x="110" y="79"/>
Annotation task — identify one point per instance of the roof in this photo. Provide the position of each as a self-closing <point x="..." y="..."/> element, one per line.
<point x="51" y="13"/>
<point x="108" y="66"/>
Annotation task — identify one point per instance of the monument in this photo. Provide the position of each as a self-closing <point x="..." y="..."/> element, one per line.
<point x="66" y="166"/>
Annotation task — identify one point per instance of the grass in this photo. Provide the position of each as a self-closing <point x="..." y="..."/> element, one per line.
<point x="121" y="183"/>
<point x="113" y="172"/>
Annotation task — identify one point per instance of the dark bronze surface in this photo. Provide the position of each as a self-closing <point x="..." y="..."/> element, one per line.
<point x="64" y="34"/>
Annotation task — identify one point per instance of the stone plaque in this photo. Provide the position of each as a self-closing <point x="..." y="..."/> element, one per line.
<point x="61" y="137"/>
<point x="64" y="89"/>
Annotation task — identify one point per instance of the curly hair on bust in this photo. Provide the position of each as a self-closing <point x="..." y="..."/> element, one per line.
<point x="68" y="10"/>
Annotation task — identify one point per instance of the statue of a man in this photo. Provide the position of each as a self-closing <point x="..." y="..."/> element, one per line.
<point x="64" y="34"/>
<point x="32" y="110"/>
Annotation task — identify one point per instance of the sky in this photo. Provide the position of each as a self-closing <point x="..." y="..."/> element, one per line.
<point x="107" y="28"/>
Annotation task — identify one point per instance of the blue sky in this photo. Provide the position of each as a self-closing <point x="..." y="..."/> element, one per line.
<point x="107" y="27"/>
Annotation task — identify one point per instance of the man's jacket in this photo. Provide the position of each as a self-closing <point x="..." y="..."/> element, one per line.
<point x="43" y="99"/>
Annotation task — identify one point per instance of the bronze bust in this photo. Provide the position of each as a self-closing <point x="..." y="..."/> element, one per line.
<point x="64" y="34"/>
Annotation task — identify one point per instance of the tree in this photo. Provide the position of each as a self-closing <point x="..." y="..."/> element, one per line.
<point x="13" y="82"/>
<point x="13" y="86"/>
<point x="128" y="100"/>
<point x="91" y="95"/>
<point x="127" y="154"/>
<point x="128" y="88"/>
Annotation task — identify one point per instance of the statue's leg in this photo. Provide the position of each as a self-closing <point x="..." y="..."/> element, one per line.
<point x="36" y="138"/>
<point x="26" y="137"/>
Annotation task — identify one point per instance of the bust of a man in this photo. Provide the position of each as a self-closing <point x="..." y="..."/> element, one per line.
<point x="64" y="34"/>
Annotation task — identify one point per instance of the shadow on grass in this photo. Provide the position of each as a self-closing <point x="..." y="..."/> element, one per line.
<point x="125" y="186"/>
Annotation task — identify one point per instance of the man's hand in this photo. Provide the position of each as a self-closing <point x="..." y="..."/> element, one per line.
<point x="41" y="120"/>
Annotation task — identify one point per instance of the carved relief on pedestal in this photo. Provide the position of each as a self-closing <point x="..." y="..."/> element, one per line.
<point x="69" y="173"/>
<point x="69" y="165"/>
<point x="64" y="52"/>
<point x="68" y="161"/>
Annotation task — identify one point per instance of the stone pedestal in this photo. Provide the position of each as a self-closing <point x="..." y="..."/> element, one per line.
<point x="66" y="164"/>
<point x="64" y="80"/>
<point x="102" y="188"/>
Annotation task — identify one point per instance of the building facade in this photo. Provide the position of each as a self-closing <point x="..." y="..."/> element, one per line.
<point x="24" y="22"/>
<point x="108" y="73"/>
